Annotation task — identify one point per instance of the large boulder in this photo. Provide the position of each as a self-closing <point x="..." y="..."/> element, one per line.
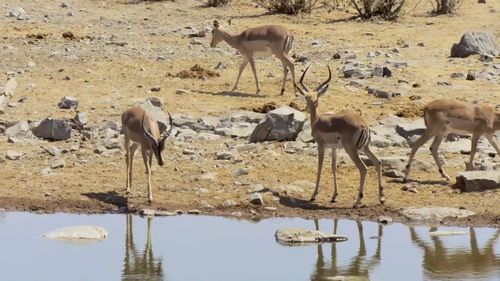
<point x="281" y="124"/>
<point x="78" y="232"/>
<point x="433" y="214"/>
<point x="54" y="129"/>
<point x="299" y="236"/>
<point x="475" y="42"/>
<point x="478" y="180"/>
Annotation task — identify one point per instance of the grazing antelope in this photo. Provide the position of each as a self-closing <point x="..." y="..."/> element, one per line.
<point x="453" y="116"/>
<point x="141" y="129"/>
<point x="345" y="130"/>
<point x="260" y="41"/>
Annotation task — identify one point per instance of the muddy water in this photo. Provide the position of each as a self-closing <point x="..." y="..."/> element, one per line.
<point x="213" y="248"/>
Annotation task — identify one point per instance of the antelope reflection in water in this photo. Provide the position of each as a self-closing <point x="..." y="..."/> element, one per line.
<point x="438" y="262"/>
<point x="361" y="265"/>
<point x="140" y="265"/>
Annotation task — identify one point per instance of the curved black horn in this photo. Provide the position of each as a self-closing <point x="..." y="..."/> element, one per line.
<point x="327" y="80"/>
<point x="166" y="134"/>
<point x="146" y="133"/>
<point x="301" y="81"/>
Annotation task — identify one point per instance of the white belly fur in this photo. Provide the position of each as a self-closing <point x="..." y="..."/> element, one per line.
<point x="461" y="126"/>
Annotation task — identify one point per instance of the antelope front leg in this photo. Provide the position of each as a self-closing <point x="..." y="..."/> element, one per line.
<point x="321" y="156"/>
<point x="252" y="64"/>
<point x="416" y="145"/>
<point x="145" y="157"/>
<point x="242" y="67"/>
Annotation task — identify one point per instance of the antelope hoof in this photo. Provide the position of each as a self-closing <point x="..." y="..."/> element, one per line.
<point x="334" y="199"/>
<point x="312" y="199"/>
<point x="382" y="200"/>
<point x="282" y="92"/>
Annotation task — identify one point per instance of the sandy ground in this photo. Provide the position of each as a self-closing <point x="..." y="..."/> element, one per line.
<point x="116" y="63"/>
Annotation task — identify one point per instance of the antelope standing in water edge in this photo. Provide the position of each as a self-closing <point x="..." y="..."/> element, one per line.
<point x="141" y="129"/>
<point x="345" y="130"/>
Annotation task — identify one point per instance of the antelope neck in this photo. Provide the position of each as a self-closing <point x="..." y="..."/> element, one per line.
<point x="230" y="39"/>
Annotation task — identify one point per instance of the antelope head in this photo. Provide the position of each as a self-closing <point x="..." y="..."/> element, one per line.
<point x="216" y="35"/>
<point x="312" y="97"/>
<point x="157" y="144"/>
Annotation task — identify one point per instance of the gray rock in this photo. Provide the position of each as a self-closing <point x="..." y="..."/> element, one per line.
<point x="6" y="93"/>
<point x="226" y="155"/>
<point x="54" y="129"/>
<point x="380" y="93"/>
<point x="281" y="124"/>
<point x="475" y="42"/>
<point x="78" y="232"/>
<point x="384" y="219"/>
<point x="256" y="198"/>
<point x="13" y="154"/>
<point x="411" y="130"/>
<point x="229" y="203"/>
<point x="156" y="101"/>
<point x="478" y="180"/>
<point x="299" y="236"/>
<point x="351" y="71"/>
<point x="68" y="102"/>
<point x="45" y="171"/>
<point x="240" y="172"/>
<point x="187" y="151"/>
<point x="196" y="42"/>
<point x="435" y="214"/>
<point x="57" y="164"/>
<point x="181" y="92"/>
<point x="52" y="150"/>
<point x="82" y="118"/>
<point x="20" y="130"/>
<point x="18" y="13"/>
<point x="221" y="65"/>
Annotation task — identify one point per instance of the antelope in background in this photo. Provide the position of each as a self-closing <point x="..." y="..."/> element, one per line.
<point x="141" y="129"/>
<point x="345" y="130"/>
<point x="260" y="41"/>
<point x="453" y="116"/>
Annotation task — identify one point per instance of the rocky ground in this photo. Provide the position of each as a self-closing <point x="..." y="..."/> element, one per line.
<point x="114" y="54"/>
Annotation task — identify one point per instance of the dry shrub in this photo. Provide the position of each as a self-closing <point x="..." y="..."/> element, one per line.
<point x="288" y="7"/>
<point x="217" y="3"/>
<point x="386" y="9"/>
<point x="446" y="6"/>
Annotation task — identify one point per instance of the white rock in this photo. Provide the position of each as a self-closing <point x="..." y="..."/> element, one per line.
<point x="78" y="232"/>
<point x="13" y="154"/>
<point x="446" y="233"/>
<point x="298" y="236"/>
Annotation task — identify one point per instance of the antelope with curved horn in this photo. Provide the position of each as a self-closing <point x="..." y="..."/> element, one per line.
<point x="345" y="130"/>
<point x="260" y="41"/>
<point x="453" y="116"/>
<point x="141" y="129"/>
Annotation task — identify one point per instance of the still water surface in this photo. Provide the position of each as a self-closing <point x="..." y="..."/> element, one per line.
<point x="212" y="248"/>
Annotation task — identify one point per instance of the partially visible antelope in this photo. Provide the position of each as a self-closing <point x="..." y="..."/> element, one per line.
<point x="141" y="129"/>
<point x="262" y="41"/>
<point x="446" y="116"/>
<point x="345" y="130"/>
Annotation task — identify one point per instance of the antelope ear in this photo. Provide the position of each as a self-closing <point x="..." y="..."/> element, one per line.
<point x="322" y="91"/>
<point x="216" y="24"/>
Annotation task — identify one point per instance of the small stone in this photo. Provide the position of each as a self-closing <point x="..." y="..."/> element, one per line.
<point x="316" y="43"/>
<point x="187" y="151"/>
<point x="53" y="150"/>
<point x="256" y="198"/>
<point x="395" y="50"/>
<point x="194" y="212"/>
<point x="60" y="163"/>
<point x="240" y="172"/>
<point x="336" y="56"/>
<point x="31" y="64"/>
<point x="221" y="65"/>
<point x="421" y="44"/>
<point x="196" y="42"/>
<point x="82" y="118"/>
<point x="444" y="83"/>
<point x="68" y="102"/>
<point x="384" y="219"/>
<point x="64" y="5"/>
<point x="181" y="91"/>
<point x="416" y="85"/>
<point x="155" y="89"/>
<point x="45" y="171"/>
<point x="485" y="58"/>
<point x="13" y="154"/>
<point x="471" y="76"/>
<point x="229" y="203"/>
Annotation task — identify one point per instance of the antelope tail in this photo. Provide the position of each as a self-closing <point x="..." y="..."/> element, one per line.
<point x="287" y="46"/>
